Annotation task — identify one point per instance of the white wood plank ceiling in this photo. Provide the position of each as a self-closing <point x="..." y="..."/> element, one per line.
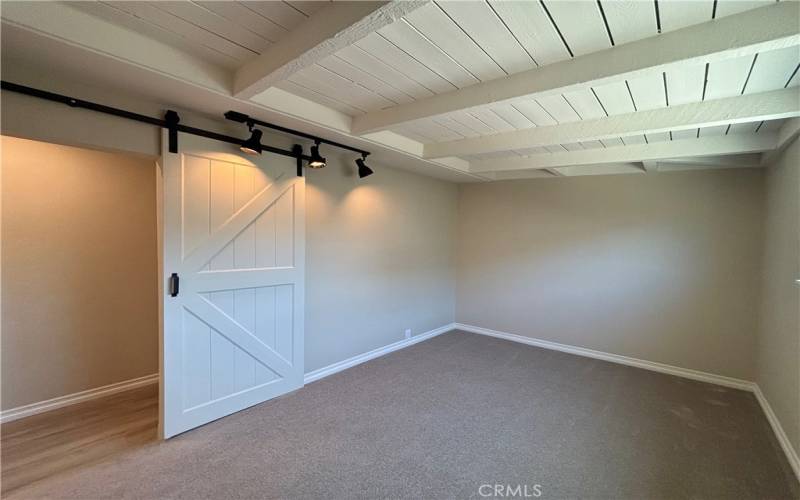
<point x="226" y="32"/>
<point x="443" y="47"/>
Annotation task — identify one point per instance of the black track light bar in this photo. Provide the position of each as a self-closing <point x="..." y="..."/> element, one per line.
<point x="171" y="121"/>
<point x="243" y="118"/>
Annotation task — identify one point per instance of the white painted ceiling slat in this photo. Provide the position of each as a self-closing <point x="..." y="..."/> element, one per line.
<point x="575" y="146"/>
<point x="713" y="131"/>
<point x="648" y="91"/>
<point x="773" y="69"/>
<point x="432" y="22"/>
<point x="165" y="20"/>
<point x="468" y="120"/>
<point x="558" y="108"/>
<point x="324" y="82"/>
<point x="534" y="112"/>
<point x="581" y="24"/>
<point x="345" y="89"/>
<point x="480" y="22"/>
<point x="411" y="41"/>
<point x="531" y="151"/>
<point x="592" y="145"/>
<point x="492" y="119"/>
<point x="770" y="126"/>
<point x="279" y="13"/>
<point x="312" y="95"/>
<point x="794" y="80"/>
<point x="629" y="21"/>
<point x="127" y="20"/>
<point x="659" y="137"/>
<point x="455" y="126"/>
<point x="610" y="143"/>
<point x="634" y="139"/>
<point x="384" y="50"/>
<point x="678" y="135"/>
<point x="513" y="116"/>
<point x="615" y="98"/>
<point x="378" y="68"/>
<point x="726" y="78"/>
<point x="730" y="7"/>
<point x="555" y="148"/>
<point x="532" y="28"/>
<point x="240" y="14"/>
<point x="347" y="70"/>
<point x="685" y="85"/>
<point x="586" y="104"/>
<point x="435" y="131"/>
<point x="743" y="128"/>
<point x="308" y="7"/>
<point x="676" y="14"/>
<point x="500" y="155"/>
<point x="214" y="23"/>
<point x="412" y="132"/>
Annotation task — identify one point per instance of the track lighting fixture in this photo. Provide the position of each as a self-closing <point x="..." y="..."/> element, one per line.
<point x="363" y="169"/>
<point x="252" y="146"/>
<point x="317" y="161"/>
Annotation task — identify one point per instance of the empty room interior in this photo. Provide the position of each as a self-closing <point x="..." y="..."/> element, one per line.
<point x="400" y="249"/>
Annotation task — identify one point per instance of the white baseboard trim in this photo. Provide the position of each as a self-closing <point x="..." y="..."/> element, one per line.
<point x="615" y="358"/>
<point x="791" y="453"/>
<point x="783" y="439"/>
<point x="78" y="397"/>
<point x="375" y="353"/>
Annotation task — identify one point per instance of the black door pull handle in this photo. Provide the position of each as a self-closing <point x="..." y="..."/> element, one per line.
<point x="174" y="285"/>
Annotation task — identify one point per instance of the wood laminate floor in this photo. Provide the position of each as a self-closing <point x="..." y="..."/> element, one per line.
<point x="44" y="445"/>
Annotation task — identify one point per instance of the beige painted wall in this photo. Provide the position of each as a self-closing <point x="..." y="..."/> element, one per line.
<point x="379" y="255"/>
<point x="659" y="267"/>
<point x="79" y="305"/>
<point x="778" y="352"/>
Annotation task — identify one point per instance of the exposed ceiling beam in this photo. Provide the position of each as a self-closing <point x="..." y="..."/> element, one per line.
<point x="750" y="32"/>
<point x="741" y="160"/>
<point x="784" y="103"/>
<point x="677" y="166"/>
<point x="68" y="24"/>
<point x="605" y="169"/>
<point x="709" y="146"/>
<point x="787" y="133"/>
<point x="330" y="29"/>
<point x="650" y="166"/>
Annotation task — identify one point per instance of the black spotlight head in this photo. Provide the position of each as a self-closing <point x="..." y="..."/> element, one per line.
<point x="316" y="161"/>
<point x="363" y="169"/>
<point x="252" y="146"/>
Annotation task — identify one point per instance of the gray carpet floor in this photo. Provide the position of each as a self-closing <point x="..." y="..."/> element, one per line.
<point x="446" y="416"/>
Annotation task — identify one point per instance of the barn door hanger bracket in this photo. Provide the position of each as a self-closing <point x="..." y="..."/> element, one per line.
<point x="298" y="151"/>
<point x="171" y="120"/>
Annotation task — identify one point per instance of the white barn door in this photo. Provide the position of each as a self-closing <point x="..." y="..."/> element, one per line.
<point x="234" y="235"/>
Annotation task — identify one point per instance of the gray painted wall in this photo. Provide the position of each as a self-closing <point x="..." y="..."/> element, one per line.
<point x="379" y="256"/>
<point x="778" y="353"/>
<point x="659" y="267"/>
